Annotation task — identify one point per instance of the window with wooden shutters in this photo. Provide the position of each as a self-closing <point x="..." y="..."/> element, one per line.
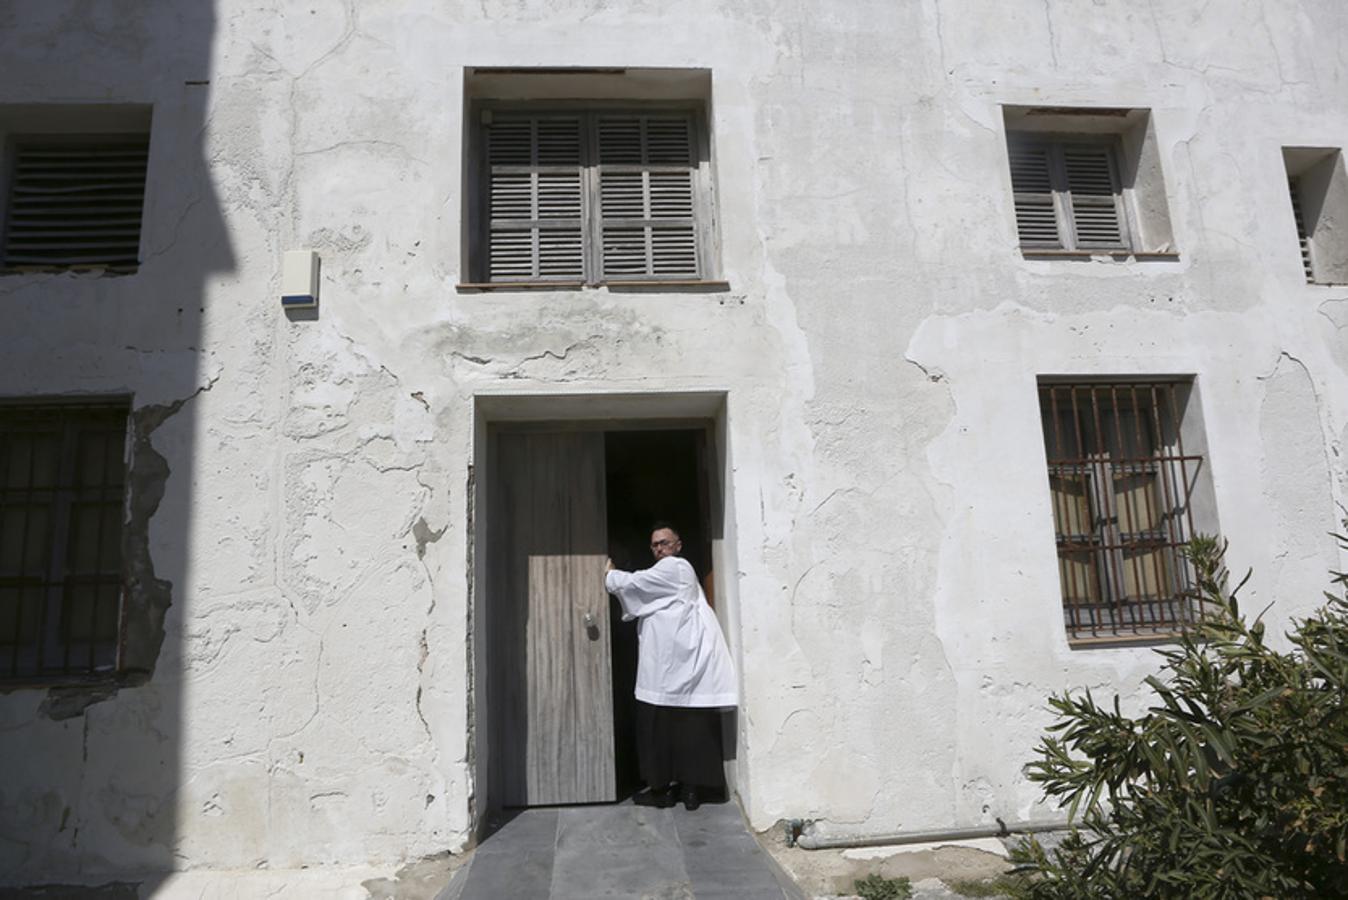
<point x="593" y="196"/>
<point x="75" y="202"/>
<point x="536" y="199"/>
<point x="1317" y="184"/>
<point x="1303" y="236"/>
<point x="1067" y="194"/>
<point x="647" y="197"/>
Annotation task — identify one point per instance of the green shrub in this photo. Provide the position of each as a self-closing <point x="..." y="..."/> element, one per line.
<point x="875" y="887"/>
<point x="1234" y="784"/>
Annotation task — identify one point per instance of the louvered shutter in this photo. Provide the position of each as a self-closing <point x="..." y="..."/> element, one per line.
<point x="1303" y="238"/>
<point x="536" y="199"/>
<point x="647" y="170"/>
<point x="1032" y="192"/>
<point x="1093" y="191"/>
<point x="76" y="203"/>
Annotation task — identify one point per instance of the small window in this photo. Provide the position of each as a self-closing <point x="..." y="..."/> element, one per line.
<point x="593" y="196"/>
<point x="1087" y="182"/>
<point x="74" y="202"/>
<point x="1124" y="488"/>
<point x="1067" y="194"/>
<point x="62" y="477"/>
<point x="1318" y="189"/>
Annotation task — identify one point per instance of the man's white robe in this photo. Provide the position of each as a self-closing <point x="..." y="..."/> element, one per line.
<point x="682" y="658"/>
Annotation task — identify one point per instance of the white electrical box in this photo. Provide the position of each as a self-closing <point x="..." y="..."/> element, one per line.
<point x="299" y="279"/>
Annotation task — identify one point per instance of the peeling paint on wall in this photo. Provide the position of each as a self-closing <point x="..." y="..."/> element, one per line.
<point x="146" y="598"/>
<point x="299" y="659"/>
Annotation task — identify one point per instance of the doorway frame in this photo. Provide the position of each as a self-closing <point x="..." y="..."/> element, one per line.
<point x="589" y="411"/>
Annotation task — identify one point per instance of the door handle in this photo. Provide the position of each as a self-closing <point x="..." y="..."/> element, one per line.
<point x="591" y="627"/>
<point x="589" y="620"/>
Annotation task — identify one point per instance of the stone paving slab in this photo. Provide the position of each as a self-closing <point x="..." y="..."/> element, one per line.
<point x="622" y="850"/>
<point x="517" y="860"/>
<point x="618" y="851"/>
<point x="721" y="856"/>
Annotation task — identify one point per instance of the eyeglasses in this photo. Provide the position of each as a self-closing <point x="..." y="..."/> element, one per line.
<point x="667" y="542"/>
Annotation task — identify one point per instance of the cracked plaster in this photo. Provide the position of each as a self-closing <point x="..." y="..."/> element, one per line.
<point x="893" y="603"/>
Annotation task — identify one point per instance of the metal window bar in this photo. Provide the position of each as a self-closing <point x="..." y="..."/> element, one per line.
<point x="1121" y="489"/>
<point x="62" y="485"/>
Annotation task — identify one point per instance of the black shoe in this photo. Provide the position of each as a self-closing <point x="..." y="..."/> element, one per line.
<point x="660" y="799"/>
<point x="691" y="800"/>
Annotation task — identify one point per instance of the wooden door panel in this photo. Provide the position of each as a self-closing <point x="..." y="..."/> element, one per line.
<point x="553" y="724"/>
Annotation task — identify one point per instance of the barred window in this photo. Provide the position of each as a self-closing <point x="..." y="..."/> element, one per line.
<point x="62" y="477"/>
<point x="592" y="196"/>
<point x="1122" y="489"/>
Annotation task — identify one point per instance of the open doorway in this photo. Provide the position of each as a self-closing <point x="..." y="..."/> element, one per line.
<point x="650" y="475"/>
<point x="559" y="673"/>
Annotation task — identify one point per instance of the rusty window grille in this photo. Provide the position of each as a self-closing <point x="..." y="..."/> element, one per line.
<point x="62" y="484"/>
<point x="1122" y="488"/>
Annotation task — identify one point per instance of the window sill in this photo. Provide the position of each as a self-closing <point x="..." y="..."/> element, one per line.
<point x="692" y="286"/>
<point x="1105" y="642"/>
<point x="92" y="680"/>
<point x="83" y="271"/>
<point x="1115" y="255"/>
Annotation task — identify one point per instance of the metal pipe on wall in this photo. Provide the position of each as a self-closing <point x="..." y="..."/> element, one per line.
<point x="801" y="834"/>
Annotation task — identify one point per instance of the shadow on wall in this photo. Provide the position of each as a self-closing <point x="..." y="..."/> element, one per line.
<point x="93" y="770"/>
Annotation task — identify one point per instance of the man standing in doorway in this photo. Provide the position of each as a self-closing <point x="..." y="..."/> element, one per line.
<point x="684" y="675"/>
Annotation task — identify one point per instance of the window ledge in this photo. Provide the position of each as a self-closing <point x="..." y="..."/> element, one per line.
<point x="82" y="271"/>
<point x="1104" y="642"/>
<point x="474" y="287"/>
<point x="91" y="680"/>
<point x="1115" y="255"/>
<point x="1118" y="255"/>
<point x="691" y="286"/>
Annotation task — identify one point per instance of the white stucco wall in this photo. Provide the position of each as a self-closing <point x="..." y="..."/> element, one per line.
<point x="894" y="605"/>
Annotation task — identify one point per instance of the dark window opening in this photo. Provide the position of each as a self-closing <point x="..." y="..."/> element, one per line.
<point x="62" y="490"/>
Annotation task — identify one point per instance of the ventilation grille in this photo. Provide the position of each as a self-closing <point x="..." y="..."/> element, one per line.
<point x="76" y="204"/>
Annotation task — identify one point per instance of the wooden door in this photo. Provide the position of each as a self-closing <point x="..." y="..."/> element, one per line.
<point x="551" y="703"/>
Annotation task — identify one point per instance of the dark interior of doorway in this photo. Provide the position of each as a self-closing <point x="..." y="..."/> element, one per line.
<point x="651" y="475"/>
